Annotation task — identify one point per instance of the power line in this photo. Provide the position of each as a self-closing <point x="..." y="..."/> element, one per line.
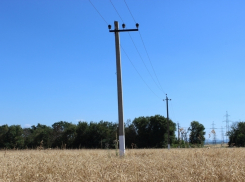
<point x="150" y="61"/>
<point x="98" y="12"/>
<point x="138" y="72"/>
<point x="136" y="46"/>
<point x="145" y="48"/>
<point x="144" y="62"/>
<point x="122" y="47"/>
<point x="172" y="108"/>
<point x="116" y="11"/>
<point x="129" y="11"/>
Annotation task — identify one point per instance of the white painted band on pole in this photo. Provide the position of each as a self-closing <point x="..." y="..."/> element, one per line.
<point x="168" y="146"/>
<point x="122" y="145"/>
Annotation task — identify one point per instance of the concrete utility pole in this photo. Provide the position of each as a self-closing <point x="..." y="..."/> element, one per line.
<point x="167" y="99"/>
<point x="119" y="84"/>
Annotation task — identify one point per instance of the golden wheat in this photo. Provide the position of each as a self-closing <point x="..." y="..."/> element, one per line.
<point x="213" y="164"/>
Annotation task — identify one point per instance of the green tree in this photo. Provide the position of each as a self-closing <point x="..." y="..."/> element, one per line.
<point x="3" y="135"/>
<point x="81" y="139"/>
<point x="130" y="134"/>
<point x="27" y="135"/>
<point x="11" y="136"/>
<point x="107" y="132"/>
<point x="153" y="131"/>
<point x="40" y="133"/>
<point x="69" y="135"/>
<point x="237" y="134"/>
<point x="95" y="135"/>
<point x="196" y="133"/>
<point x="98" y="134"/>
<point x="142" y="129"/>
<point x="63" y="134"/>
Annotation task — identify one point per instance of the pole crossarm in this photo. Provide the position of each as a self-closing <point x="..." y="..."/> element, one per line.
<point x="124" y="30"/>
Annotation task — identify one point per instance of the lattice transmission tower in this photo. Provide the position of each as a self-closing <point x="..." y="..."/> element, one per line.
<point x="227" y="124"/>
<point x="222" y="134"/>
<point x="214" y="133"/>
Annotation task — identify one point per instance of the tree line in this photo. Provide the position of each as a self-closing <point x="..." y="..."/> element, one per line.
<point x="142" y="132"/>
<point x="237" y="135"/>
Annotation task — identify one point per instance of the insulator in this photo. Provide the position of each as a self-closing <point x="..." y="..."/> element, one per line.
<point x="137" y="25"/>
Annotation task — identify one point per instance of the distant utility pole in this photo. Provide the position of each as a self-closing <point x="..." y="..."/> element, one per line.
<point x="167" y="99"/>
<point x="119" y="83"/>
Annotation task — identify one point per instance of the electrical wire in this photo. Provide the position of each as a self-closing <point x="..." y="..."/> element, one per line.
<point x="129" y="11"/>
<point x="151" y="63"/>
<point x="171" y="105"/>
<point x="137" y="48"/>
<point x="116" y="11"/>
<point x="138" y="72"/>
<point x="143" y="61"/>
<point x="145" y="47"/>
<point x="135" y="45"/>
<point x="98" y="12"/>
<point x="125" y="51"/>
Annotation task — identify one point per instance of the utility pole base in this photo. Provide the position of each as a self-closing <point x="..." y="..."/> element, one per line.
<point x="168" y="146"/>
<point x="122" y="145"/>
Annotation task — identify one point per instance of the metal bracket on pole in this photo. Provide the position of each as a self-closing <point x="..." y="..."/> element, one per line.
<point x="123" y="30"/>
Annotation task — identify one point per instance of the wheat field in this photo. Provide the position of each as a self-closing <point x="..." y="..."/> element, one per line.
<point x="203" y="164"/>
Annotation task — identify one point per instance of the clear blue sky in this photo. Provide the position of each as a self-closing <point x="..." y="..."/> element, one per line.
<point x="57" y="61"/>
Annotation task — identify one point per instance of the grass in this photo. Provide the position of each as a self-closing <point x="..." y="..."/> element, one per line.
<point x="203" y="164"/>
